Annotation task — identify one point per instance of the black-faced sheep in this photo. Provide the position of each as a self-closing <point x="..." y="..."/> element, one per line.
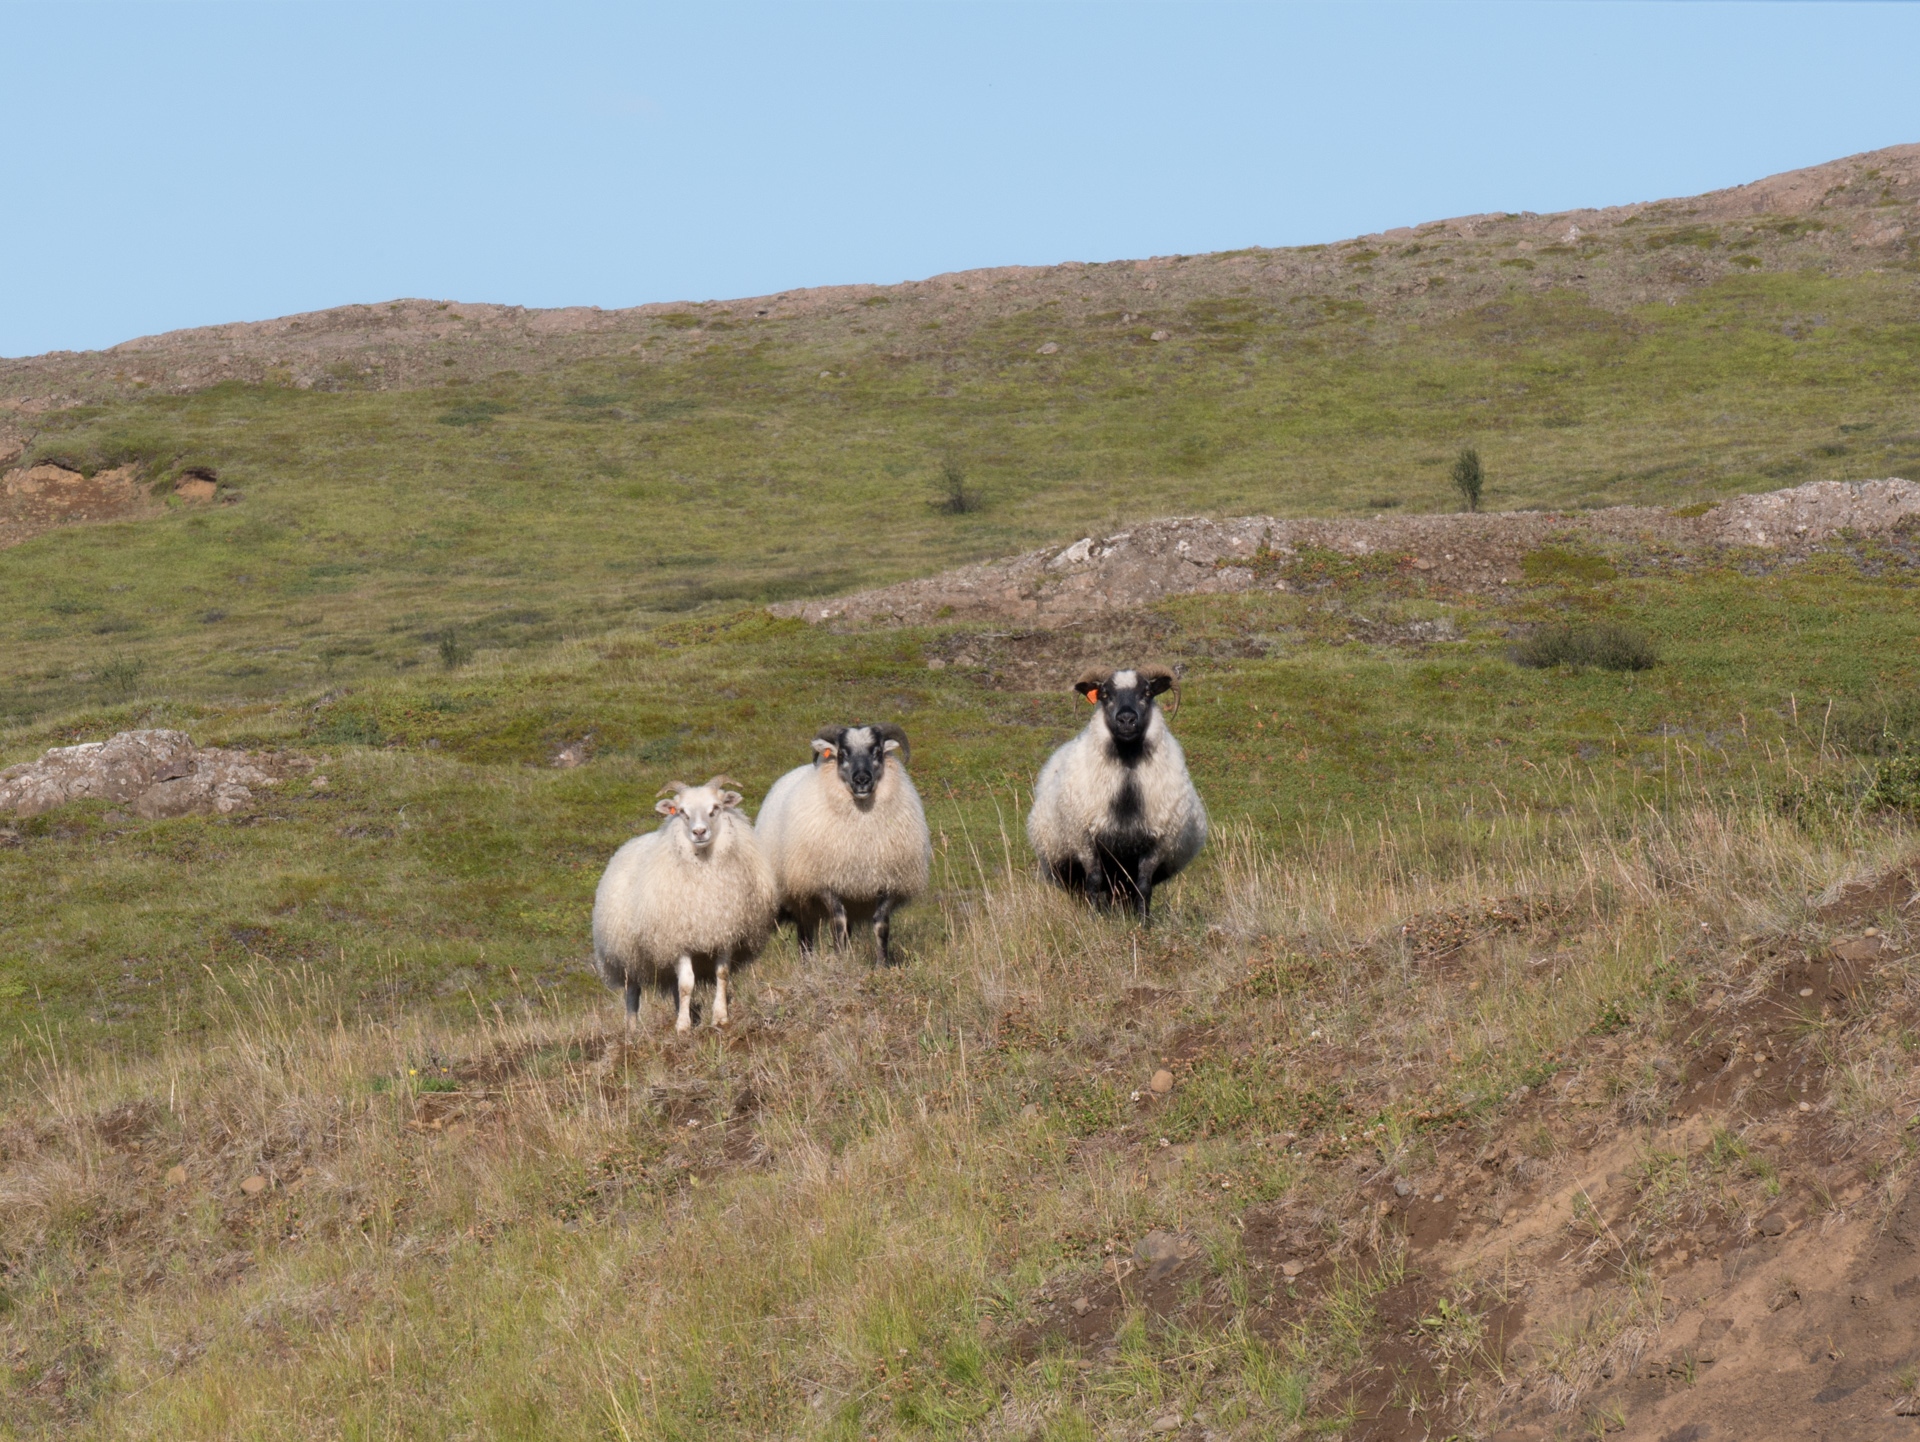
<point x="687" y="903"/>
<point x="846" y="835"/>
<point x="1114" y="812"/>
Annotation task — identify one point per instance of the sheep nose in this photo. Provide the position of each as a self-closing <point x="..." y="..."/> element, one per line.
<point x="1126" y="719"/>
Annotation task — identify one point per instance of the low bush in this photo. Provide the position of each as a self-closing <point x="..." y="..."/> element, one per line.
<point x="1609" y="646"/>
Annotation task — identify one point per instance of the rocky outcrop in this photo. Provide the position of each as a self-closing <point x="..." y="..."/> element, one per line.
<point x="1814" y="512"/>
<point x="156" y="773"/>
<point x="1466" y="551"/>
<point x="34" y="499"/>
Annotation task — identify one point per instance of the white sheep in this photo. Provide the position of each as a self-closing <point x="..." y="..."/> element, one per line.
<point x="1114" y="811"/>
<point x="689" y="902"/>
<point x="847" y="835"/>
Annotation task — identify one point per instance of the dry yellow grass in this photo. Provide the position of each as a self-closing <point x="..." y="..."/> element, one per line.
<point x="835" y="1220"/>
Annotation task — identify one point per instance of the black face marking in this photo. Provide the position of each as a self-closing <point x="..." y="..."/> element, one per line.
<point x="862" y="759"/>
<point x="1128" y="711"/>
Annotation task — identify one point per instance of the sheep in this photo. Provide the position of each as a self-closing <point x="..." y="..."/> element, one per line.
<point x="846" y="835"/>
<point x="689" y="902"/>
<point x="1114" y="811"/>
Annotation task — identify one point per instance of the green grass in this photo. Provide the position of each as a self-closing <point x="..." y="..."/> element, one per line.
<point x="736" y="475"/>
<point x="883" y="1167"/>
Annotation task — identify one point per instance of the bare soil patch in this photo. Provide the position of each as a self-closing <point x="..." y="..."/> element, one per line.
<point x="35" y="499"/>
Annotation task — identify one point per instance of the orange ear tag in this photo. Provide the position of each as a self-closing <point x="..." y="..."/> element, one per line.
<point x="1093" y="698"/>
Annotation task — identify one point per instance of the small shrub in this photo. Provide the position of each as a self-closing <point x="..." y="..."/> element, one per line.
<point x="121" y="673"/>
<point x="473" y="413"/>
<point x="1382" y="503"/>
<point x="1469" y="476"/>
<point x="1896" y="786"/>
<point x="952" y="497"/>
<point x="1552" y="563"/>
<point x="454" y="653"/>
<point x="1608" y="646"/>
<point x="348" y="728"/>
<point x="1890" y="727"/>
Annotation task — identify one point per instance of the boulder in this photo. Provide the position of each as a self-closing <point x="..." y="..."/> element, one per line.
<point x="156" y="773"/>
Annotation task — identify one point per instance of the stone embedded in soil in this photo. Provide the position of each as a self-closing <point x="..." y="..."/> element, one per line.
<point x="1171" y="1422"/>
<point x="253" y="1186"/>
<point x="1161" y="1246"/>
<point x="1292" y="1269"/>
<point x="1772" y="1224"/>
<point x="176" y="1176"/>
<point x="1162" y="1082"/>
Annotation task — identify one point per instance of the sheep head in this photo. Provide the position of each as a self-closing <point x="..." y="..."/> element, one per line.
<point x="699" y="807"/>
<point x="1126" y="696"/>
<point x="859" y="754"/>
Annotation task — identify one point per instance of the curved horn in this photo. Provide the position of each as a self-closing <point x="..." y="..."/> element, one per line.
<point x="1090" y="681"/>
<point x="1158" y="678"/>
<point x="887" y="731"/>
<point x="718" y="782"/>
<point x="672" y="788"/>
<point x="829" y="734"/>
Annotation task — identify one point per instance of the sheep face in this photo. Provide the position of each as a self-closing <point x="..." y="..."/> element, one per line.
<point x="1126" y="700"/>
<point x="859" y="755"/>
<point x="698" y="808"/>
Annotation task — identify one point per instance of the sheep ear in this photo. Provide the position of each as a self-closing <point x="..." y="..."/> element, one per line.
<point x="1089" y="684"/>
<point x="896" y="739"/>
<point x="667" y="808"/>
<point x="1158" y="679"/>
<point x="823" y="749"/>
<point x="730" y="800"/>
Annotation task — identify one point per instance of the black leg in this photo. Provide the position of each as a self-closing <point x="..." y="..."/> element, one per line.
<point x="806" y="929"/>
<point x="633" y="1002"/>
<point x="1143" y="881"/>
<point x="837" y="909"/>
<point x="882" y="928"/>
<point x="1098" y="892"/>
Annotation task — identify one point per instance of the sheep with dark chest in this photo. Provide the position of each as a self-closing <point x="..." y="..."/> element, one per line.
<point x="1114" y="811"/>
<point x="847" y="835"/>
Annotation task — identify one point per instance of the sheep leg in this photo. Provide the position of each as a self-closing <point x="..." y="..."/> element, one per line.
<point x="882" y="928"/>
<point x="684" y="974"/>
<point x="633" y="1005"/>
<point x="720" y="973"/>
<point x="837" y="909"/>
<point x="1143" y="883"/>
<point x="806" y="928"/>
<point x="1099" y="894"/>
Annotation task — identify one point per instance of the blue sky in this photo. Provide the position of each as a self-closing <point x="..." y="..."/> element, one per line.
<point x="171" y="165"/>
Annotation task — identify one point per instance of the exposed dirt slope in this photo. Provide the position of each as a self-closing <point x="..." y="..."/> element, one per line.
<point x="1472" y="552"/>
<point x="1847" y="216"/>
<point x="1688" y="1240"/>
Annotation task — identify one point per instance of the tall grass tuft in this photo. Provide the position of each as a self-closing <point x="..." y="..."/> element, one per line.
<point x="1606" y="645"/>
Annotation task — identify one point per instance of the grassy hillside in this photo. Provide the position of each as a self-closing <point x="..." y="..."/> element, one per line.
<point x="312" y="1121"/>
<point x="521" y="511"/>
